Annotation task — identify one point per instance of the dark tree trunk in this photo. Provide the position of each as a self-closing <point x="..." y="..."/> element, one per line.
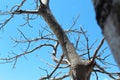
<point x="109" y="21"/>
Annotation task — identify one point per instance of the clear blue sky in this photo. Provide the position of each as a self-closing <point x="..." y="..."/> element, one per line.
<point x="65" y="12"/>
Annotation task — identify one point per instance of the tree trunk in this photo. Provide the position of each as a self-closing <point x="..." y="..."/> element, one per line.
<point x="80" y="68"/>
<point x="109" y="21"/>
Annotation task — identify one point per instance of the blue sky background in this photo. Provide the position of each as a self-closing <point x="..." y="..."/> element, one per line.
<point x="65" y="12"/>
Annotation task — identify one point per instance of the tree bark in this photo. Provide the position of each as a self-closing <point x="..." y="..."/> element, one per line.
<point x="81" y="69"/>
<point x="110" y="25"/>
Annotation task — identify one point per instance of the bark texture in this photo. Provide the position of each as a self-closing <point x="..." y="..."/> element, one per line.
<point x="110" y="25"/>
<point x="81" y="69"/>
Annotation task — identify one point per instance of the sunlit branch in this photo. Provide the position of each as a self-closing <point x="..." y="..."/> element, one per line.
<point x="54" y="69"/>
<point x="98" y="48"/>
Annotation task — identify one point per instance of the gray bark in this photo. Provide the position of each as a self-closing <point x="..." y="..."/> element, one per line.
<point x="110" y="25"/>
<point x="80" y="68"/>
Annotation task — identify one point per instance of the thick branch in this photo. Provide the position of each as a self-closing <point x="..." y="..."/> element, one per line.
<point x="59" y="32"/>
<point x="80" y="68"/>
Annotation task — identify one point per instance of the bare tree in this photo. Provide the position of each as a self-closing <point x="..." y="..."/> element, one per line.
<point x="80" y="68"/>
<point x="108" y="18"/>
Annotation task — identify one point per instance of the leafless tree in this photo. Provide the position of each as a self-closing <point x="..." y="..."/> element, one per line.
<point x="79" y="68"/>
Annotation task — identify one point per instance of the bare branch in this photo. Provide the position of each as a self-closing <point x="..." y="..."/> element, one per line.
<point x="96" y="51"/>
<point x="87" y="43"/>
<point x="25" y="12"/>
<point x="7" y="20"/>
<point x="102" y="70"/>
<point x="53" y="70"/>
